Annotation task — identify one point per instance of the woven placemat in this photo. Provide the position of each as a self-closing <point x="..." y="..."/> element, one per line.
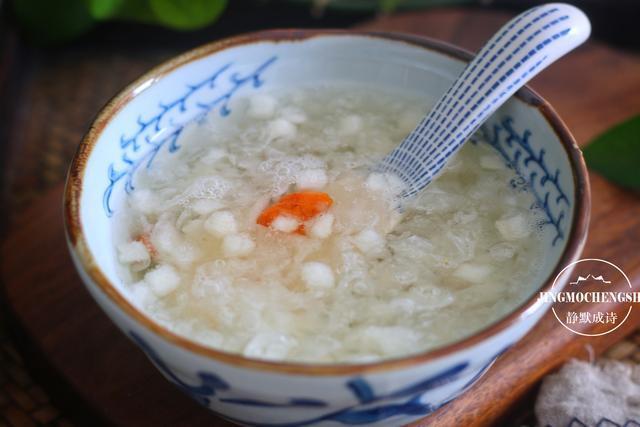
<point x="627" y="350"/>
<point x="23" y="402"/>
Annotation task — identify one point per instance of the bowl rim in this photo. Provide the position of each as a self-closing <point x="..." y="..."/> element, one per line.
<point x="78" y="246"/>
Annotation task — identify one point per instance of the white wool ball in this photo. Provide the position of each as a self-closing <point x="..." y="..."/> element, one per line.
<point x="206" y="206"/>
<point x="134" y="253"/>
<point x="322" y="226"/>
<point x="350" y="125"/>
<point x="269" y="345"/>
<point x="221" y="223"/>
<point x="286" y="224"/>
<point x="162" y="280"/>
<point x="369" y="242"/>
<point x="474" y="273"/>
<point x="282" y="128"/>
<point x="312" y="179"/>
<point x="491" y="162"/>
<point x="237" y="245"/>
<point x="317" y="275"/>
<point x="262" y="106"/>
<point x="514" y="227"/>
<point x="294" y="115"/>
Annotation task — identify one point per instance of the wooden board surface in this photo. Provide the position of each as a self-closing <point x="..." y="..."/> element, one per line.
<point x="98" y="373"/>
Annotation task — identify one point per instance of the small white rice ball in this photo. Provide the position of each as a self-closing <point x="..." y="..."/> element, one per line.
<point x="193" y="228"/>
<point x="286" y="224"/>
<point x="237" y="245"/>
<point x="474" y="273"/>
<point x="322" y="226"/>
<point x="282" y="129"/>
<point x="311" y="179"/>
<point x="269" y="345"/>
<point x="206" y="206"/>
<point x="221" y="223"/>
<point x="185" y="254"/>
<point x="502" y="251"/>
<point x="144" y="201"/>
<point x="165" y="237"/>
<point x="376" y="182"/>
<point x="350" y="125"/>
<point x="162" y="280"/>
<point x="513" y="227"/>
<point x="262" y="106"/>
<point x="385" y="339"/>
<point x="211" y="338"/>
<point x="369" y="241"/>
<point x="142" y="295"/>
<point x="317" y="275"/>
<point x="386" y="184"/>
<point x="135" y="254"/>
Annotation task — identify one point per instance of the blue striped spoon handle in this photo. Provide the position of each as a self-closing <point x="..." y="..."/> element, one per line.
<point x="517" y="52"/>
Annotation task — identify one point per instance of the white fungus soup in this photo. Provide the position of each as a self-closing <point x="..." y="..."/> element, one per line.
<point x="266" y="234"/>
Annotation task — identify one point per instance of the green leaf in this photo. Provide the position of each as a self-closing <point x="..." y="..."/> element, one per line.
<point x="104" y="9"/>
<point x="48" y="22"/>
<point x="388" y="6"/>
<point x="616" y="154"/>
<point x="136" y="11"/>
<point x="187" y="14"/>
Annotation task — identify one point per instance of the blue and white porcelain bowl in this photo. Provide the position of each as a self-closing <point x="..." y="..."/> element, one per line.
<point x="149" y="115"/>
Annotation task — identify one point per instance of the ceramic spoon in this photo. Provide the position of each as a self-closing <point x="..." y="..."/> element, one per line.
<point x="517" y="52"/>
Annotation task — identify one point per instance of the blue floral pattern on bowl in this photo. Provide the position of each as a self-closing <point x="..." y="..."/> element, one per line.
<point x="165" y="127"/>
<point x="518" y="152"/>
<point x="371" y="407"/>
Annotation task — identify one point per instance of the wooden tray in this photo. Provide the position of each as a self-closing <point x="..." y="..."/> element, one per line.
<point x="99" y="377"/>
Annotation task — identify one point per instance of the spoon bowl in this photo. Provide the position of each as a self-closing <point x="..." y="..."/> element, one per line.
<point x="518" y="51"/>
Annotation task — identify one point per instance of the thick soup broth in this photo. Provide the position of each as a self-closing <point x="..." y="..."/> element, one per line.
<point x="266" y="234"/>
